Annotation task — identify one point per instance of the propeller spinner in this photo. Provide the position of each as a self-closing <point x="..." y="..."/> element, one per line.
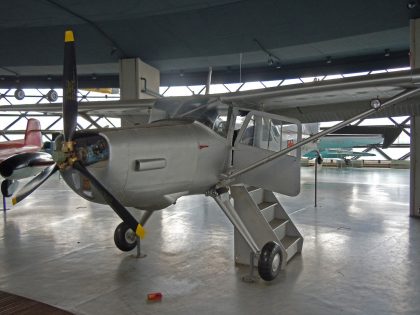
<point x="65" y="157"/>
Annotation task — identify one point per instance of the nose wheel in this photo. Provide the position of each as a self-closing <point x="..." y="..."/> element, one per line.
<point x="125" y="238"/>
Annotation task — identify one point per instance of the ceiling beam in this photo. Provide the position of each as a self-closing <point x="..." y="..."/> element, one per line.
<point x="227" y="75"/>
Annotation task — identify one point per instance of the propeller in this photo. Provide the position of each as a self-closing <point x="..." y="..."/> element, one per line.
<point x="34" y="183"/>
<point x="67" y="157"/>
<point x="70" y="104"/>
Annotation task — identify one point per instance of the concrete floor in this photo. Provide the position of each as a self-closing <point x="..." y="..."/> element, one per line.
<point x="360" y="256"/>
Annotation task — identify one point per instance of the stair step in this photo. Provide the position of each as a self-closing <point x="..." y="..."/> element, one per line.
<point x="257" y="194"/>
<point x="279" y="227"/>
<point x="290" y="243"/>
<point x="266" y="220"/>
<point x="251" y="188"/>
<point x="267" y="210"/>
<point x="265" y="204"/>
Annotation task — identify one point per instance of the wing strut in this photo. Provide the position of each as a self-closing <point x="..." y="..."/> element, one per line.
<point x="375" y="108"/>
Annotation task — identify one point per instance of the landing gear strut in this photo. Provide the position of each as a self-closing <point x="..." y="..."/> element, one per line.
<point x="125" y="238"/>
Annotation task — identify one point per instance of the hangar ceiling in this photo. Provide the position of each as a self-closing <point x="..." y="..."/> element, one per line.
<point x="267" y="39"/>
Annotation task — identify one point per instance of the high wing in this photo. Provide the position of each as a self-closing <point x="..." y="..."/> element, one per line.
<point x="328" y="100"/>
<point x="107" y="108"/>
<point x="335" y="100"/>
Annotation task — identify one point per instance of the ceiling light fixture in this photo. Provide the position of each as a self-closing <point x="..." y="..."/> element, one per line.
<point x="328" y="60"/>
<point x="19" y="94"/>
<point x="52" y="96"/>
<point x="387" y="53"/>
<point x="272" y="60"/>
<point x="375" y="103"/>
<point x="411" y="4"/>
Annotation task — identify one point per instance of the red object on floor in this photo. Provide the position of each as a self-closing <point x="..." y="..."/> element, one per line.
<point x="155" y="296"/>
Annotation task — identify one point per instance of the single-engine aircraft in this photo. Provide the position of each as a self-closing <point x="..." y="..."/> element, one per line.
<point x="30" y="144"/>
<point x="192" y="146"/>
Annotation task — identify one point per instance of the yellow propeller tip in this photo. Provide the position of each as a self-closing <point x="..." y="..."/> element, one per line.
<point x="68" y="36"/>
<point x="140" y="231"/>
<point x="14" y="201"/>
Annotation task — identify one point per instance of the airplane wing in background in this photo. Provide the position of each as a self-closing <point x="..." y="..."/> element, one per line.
<point x="327" y="100"/>
<point x="388" y="133"/>
<point x="336" y="154"/>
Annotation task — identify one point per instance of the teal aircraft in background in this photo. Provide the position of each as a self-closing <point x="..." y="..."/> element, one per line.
<point x="340" y="144"/>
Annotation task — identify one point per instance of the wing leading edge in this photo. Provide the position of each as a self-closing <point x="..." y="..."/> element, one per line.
<point x="310" y="102"/>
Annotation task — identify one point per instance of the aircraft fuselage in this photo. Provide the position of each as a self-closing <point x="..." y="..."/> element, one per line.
<point x="151" y="166"/>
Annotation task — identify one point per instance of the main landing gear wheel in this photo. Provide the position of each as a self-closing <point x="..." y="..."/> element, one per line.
<point x="270" y="261"/>
<point x="124" y="237"/>
<point x="5" y="188"/>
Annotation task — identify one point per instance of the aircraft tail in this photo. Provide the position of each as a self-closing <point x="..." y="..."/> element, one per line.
<point x="33" y="134"/>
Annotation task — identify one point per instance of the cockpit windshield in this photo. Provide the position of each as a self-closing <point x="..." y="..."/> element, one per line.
<point x="205" y="110"/>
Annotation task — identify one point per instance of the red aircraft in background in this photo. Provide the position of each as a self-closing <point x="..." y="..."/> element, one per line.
<point x="30" y="144"/>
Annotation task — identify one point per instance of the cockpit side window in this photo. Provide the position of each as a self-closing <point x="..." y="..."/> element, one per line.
<point x="269" y="134"/>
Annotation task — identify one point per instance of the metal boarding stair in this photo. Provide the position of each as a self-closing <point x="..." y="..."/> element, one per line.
<point x="266" y="220"/>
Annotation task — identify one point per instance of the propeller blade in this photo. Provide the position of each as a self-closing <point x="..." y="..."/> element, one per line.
<point x="20" y="161"/>
<point x="113" y="202"/>
<point x="34" y="183"/>
<point x="70" y="105"/>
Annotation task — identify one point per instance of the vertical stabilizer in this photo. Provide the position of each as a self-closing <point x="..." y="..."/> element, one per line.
<point x="33" y="134"/>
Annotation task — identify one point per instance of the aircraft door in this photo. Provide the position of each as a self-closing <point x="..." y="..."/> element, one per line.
<point x="263" y="134"/>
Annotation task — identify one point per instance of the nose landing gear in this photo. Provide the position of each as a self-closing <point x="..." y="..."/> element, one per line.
<point x="125" y="238"/>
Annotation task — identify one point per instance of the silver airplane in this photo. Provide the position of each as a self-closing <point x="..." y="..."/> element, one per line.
<point x="198" y="145"/>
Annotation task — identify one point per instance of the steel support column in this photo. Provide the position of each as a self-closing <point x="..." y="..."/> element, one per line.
<point x="415" y="127"/>
<point x="415" y="167"/>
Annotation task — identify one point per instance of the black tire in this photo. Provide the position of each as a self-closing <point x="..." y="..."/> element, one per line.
<point x="270" y="261"/>
<point x="5" y="187"/>
<point x="124" y="237"/>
